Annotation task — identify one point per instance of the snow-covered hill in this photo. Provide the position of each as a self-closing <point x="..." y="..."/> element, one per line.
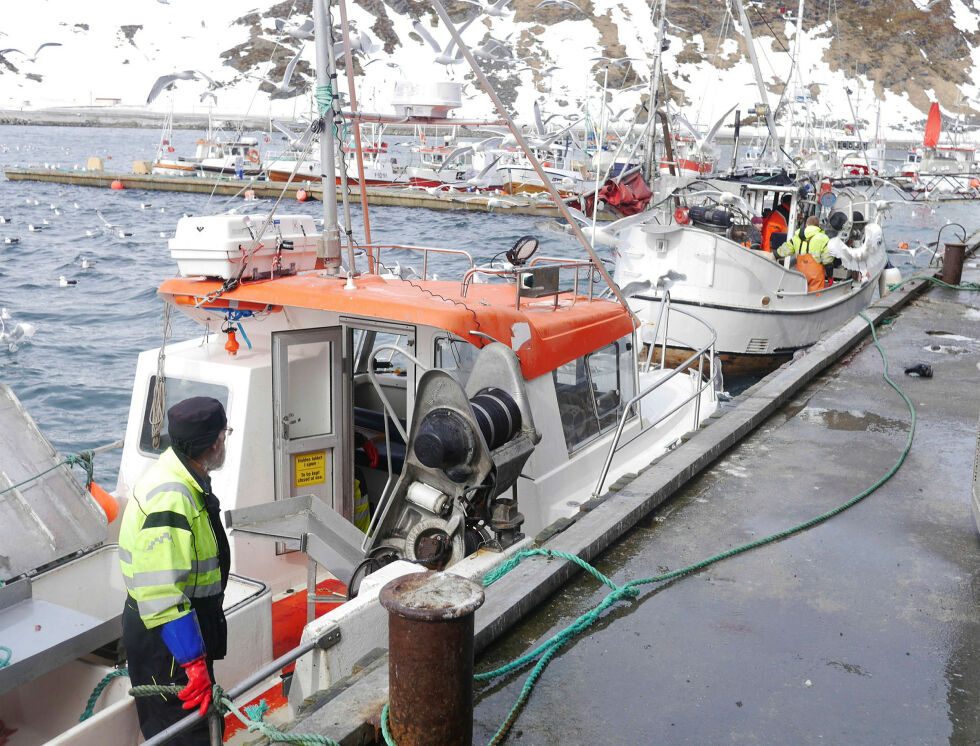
<point x="904" y="53"/>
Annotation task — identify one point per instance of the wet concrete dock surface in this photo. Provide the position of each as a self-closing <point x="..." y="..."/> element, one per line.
<point x="864" y="629"/>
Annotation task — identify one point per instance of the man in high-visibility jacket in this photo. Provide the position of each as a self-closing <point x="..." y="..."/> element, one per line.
<point x="809" y="244"/>
<point x="175" y="561"/>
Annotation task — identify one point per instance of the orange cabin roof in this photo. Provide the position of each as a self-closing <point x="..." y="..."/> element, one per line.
<point x="543" y="337"/>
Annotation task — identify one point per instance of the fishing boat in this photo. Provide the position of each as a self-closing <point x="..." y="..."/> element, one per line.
<point x="706" y="255"/>
<point x="212" y="156"/>
<point x="382" y="419"/>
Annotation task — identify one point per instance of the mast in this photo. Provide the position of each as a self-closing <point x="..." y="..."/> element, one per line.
<point x="655" y="76"/>
<point x="795" y="69"/>
<point x="328" y="244"/>
<point x="750" y="47"/>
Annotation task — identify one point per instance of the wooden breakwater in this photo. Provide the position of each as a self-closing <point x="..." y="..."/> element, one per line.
<point x="406" y="196"/>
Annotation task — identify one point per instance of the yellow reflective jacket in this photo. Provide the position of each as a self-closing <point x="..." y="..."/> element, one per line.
<point x="813" y="241"/>
<point x="167" y="547"/>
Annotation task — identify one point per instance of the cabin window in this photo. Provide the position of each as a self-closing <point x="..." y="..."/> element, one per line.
<point x="178" y="389"/>
<point x="456" y="357"/>
<point x="593" y="390"/>
<point x="366" y="341"/>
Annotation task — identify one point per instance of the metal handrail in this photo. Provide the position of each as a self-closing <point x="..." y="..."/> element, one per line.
<point x="518" y="273"/>
<point x="425" y="250"/>
<point x="708" y="349"/>
<point x="272" y="668"/>
<point x="393" y="416"/>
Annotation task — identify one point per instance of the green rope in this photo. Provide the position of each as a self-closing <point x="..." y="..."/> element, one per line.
<point x="323" y="95"/>
<point x="252" y="719"/>
<point x="385" y="729"/>
<point x="83" y="459"/>
<point x="937" y="281"/>
<point x="631" y="590"/>
<point x="90" y="707"/>
<point x="5" y="655"/>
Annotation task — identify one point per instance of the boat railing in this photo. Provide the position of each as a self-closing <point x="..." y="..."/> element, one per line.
<point x="377" y="249"/>
<point x="701" y="357"/>
<point x="537" y="281"/>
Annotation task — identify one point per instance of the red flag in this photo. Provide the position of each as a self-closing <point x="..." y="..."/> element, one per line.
<point x="933" y="125"/>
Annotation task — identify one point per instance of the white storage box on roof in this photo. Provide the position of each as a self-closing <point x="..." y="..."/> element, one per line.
<point x="216" y="245"/>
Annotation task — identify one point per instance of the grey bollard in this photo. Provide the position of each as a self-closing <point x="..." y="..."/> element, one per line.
<point x="430" y="658"/>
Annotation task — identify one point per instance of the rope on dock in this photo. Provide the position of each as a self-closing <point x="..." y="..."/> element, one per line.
<point x="544" y="652"/>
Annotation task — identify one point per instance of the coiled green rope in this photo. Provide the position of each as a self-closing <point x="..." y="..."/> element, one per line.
<point x="631" y="590"/>
<point x="5" y="656"/>
<point x="252" y="719"/>
<point x="93" y="698"/>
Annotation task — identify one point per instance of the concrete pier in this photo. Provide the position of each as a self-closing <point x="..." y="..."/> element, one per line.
<point x="406" y="196"/>
<point x="864" y="629"/>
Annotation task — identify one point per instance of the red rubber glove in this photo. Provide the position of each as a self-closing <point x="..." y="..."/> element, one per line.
<point x="372" y="453"/>
<point x="198" y="689"/>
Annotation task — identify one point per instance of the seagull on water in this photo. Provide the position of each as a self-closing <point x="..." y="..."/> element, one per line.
<point x="11" y="239"/>
<point x="66" y="283"/>
<point x="86" y="263"/>
<point x="4" y="219"/>
<point x="32" y="227"/>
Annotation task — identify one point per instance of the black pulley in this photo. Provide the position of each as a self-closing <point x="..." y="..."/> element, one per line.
<point x="498" y="416"/>
<point x="444" y="440"/>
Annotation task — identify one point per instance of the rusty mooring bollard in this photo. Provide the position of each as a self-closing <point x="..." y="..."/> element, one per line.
<point x="953" y="263"/>
<point x="430" y="658"/>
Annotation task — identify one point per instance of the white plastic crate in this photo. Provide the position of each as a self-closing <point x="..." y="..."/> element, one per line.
<point x="216" y="245"/>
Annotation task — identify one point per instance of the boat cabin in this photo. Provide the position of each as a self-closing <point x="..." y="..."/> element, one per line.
<point x="358" y="397"/>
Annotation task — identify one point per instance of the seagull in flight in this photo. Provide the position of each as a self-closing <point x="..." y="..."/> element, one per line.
<point x="498" y="9"/>
<point x="284" y="86"/>
<point x="562" y="4"/>
<point x="302" y="31"/>
<point x="450" y="55"/>
<point x="164" y="80"/>
<point x="32" y="58"/>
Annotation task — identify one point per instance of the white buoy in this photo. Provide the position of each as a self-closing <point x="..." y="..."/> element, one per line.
<point x="889" y="276"/>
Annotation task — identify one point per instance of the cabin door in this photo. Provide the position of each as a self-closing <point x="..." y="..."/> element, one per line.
<point x="308" y="416"/>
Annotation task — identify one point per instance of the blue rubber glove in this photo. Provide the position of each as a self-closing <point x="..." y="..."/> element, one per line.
<point x="184" y="641"/>
<point x="183" y="638"/>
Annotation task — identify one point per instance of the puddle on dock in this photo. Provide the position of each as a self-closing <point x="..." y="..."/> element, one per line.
<point x="852" y="420"/>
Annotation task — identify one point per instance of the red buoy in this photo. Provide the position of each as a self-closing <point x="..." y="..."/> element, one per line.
<point x="116" y="184"/>
<point x="681" y="216"/>
<point x="301" y="195"/>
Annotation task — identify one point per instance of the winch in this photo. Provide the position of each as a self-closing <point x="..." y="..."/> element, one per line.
<point x="465" y="451"/>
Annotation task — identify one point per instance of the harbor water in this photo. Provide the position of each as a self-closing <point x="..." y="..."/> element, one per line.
<point x="74" y="375"/>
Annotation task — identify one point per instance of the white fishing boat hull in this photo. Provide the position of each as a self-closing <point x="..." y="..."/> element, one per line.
<point x="760" y="310"/>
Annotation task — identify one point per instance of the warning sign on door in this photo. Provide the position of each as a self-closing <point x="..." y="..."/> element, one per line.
<point x="309" y="468"/>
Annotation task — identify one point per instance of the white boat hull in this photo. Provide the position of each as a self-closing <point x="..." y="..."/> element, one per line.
<point x="758" y="308"/>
